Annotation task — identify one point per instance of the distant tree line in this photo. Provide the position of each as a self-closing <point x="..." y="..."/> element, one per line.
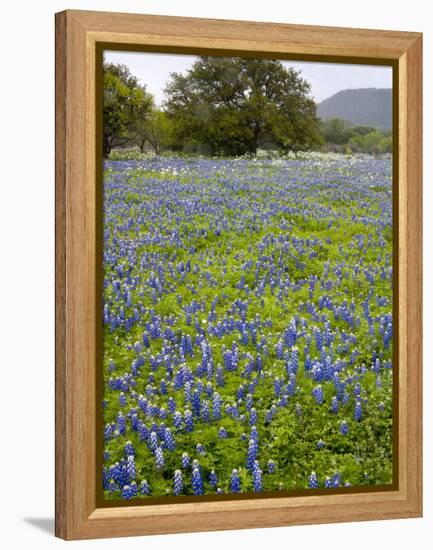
<point x="225" y="106"/>
<point x="341" y="136"/>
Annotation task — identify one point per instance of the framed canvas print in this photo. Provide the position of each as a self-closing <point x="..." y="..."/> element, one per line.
<point x="238" y="274"/>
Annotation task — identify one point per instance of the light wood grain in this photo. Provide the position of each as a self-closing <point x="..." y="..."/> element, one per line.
<point x="414" y="273"/>
<point x="60" y="216"/>
<point x="77" y="34"/>
<point x="242" y="35"/>
<point x="75" y="379"/>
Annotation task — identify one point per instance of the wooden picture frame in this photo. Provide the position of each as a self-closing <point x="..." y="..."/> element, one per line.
<point x="79" y="36"/>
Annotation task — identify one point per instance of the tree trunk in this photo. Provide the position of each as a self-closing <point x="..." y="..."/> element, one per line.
<point x="255" y="138"/>
<point x="106" y="149"/>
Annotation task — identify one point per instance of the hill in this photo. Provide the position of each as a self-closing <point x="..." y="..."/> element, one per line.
<point x="366" y="106"/>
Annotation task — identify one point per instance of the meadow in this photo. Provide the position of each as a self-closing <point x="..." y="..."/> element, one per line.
<point x="247" y="325"/>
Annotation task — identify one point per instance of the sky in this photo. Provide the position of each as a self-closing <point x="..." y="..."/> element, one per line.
<point x="326" y="79"/>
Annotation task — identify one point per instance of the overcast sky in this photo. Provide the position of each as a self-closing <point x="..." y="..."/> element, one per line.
<point x="326" y="79"/>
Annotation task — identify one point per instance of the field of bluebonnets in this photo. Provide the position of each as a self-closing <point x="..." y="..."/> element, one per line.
<point x="247" y="325"/>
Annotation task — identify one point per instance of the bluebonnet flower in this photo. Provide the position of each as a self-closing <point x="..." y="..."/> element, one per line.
<point x="187" y="390"/>
<point x="328" y="370"/>
<point x="278" y="385"/>
<point x="272" y="467"/>
<point x="200" y="449"/>
<point x="159" y="458"/>
<point x="121" y="423"/>
<point x="109" y="431"/>
<point x="253" y="449"/>
<point x="197" y="481"/>
<point x="133" y="488"/>
<point x="161" y="430"/>
<point x="153" y="441"/>
<point x="344" y="427"/>
<point x="318" y="394"/>
<point x="163" y="387"/>
<point x="232" y="411"/>
<point x="294" y="360"/>
<point x="177" y="482"/>
<point x="222" y="433"/>
<point x="146" y="340"/>
<point x="154" y="428"/>
<point x="357" y="415"/>
<point x="118" y="473"/>
<point x="320" y="444"/>
<point x="216" y="406"/>
<point x="177" y="420"/>
<point x="219" y="376"/>
<point x="254" y="434"/>
<point x="144" y="487"/>
<point x="279" y="349"/>
<point x="142" y="403"/>
<point x="235" y="482"/>
<point x="169" y="440"/>
<point x="134" y="421"/>
<point x="189" y="424"/>
<point x="127" y="492"/>
<point x="257" y="477"/>
<point x="291" y="386"/>
<point x="205" y="412"/>
<point x="334" y="405"/>
<point x="213" y="479"/>
<point x="171" y="404"/>
<point x="253" y="417"/>
<point x="357" y="390"/>
<point x="240" y="391"/>
<point x="248" y="402"/>
<point x="196" y="403"/>
<point x="313" y="482"/>
<point x="131" y="470"/>
<point x="185" y="460"/>
<point x="129" y="449"/>
<point x="209" y="389"/>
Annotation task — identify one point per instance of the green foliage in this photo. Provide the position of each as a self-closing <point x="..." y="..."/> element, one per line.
<point x="125" y="109"/>
<point x="232" y="106"/>
<point x="341" y="136"/>
<point x="336" y="131"/>
<point x="158" y="131"/>
<point x="328" y="216"/>
<point x="375" y="142"/>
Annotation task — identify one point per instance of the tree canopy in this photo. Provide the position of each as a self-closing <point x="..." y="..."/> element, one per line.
<point x="227" y="106"/>
<point x="234" y="105"/>
<point x="127" y="106"/>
